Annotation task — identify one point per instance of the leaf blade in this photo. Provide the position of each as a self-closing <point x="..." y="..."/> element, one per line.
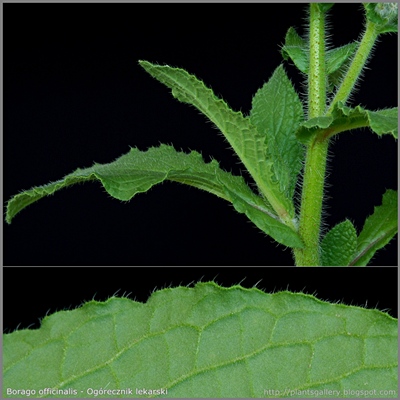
<point x="378" y="230"/>
<point x="337" y="57"/>
<point x="337" y="60"/>
<point x="344" y="118"/>
<point x="339" y="245"/>
<point x="295" y="48"/>
<point x="277" y="113"/>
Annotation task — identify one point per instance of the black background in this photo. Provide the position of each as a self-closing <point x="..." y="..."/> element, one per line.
<point x="74" y="94"/>
<point x="31" y="293"/>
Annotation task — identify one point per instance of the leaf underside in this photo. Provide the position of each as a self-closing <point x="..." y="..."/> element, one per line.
<point x="137" y="171"/>
<point x="209" y="341"/>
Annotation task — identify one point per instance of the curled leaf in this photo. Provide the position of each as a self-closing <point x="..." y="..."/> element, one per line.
<point x="137" y="171"/>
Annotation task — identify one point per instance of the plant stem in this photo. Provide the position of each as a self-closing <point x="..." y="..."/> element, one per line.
<point x="316" y="77"/>
<point x="315" y="164"/>
<point x="311" y="204"/>
<point x="317" y="149"/>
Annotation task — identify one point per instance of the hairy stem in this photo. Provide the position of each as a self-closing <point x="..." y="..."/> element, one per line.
<point x="316" y="77"/>
<point x="360" y="58"/>
<point x="311" y="204"/>
<point x="315" y="165"/>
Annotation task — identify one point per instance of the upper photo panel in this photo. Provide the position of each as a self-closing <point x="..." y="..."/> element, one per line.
<point x="200" y="134"/>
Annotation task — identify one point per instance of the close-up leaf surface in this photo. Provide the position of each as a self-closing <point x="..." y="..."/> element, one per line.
<point x="208" y="341"/>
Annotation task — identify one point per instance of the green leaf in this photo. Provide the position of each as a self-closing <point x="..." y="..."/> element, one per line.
<point x="339" y="245"/>
<point x="138" y="171"/>
<point x="384" y="121"/>
<point x="296" y="49"/>
<point x="237" y="129"/>
<point x="378" y="230"/>
<point x="277" y="112"/>
<point x="338" y="56"/>
<point x="324" y="7"/>
<point x="207" y="341"/>
<point x="336" y="62"/>
<point x="344" y="118"/>
<point x="383" y="15"/>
